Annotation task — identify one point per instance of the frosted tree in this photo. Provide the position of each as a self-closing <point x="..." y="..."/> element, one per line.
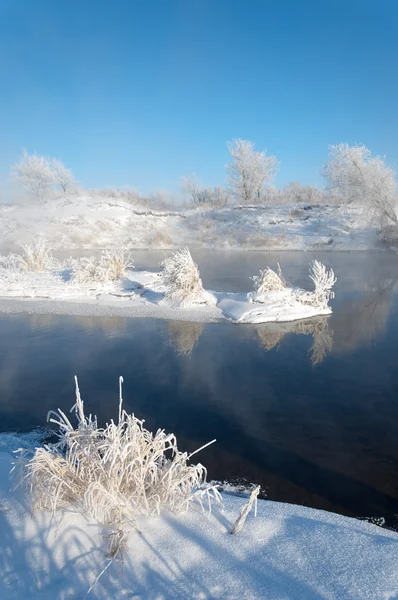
<point x="39" y="174"/>
<point x="34" y="173"/>
<point x="192" y="187"/>
<point x="199" y="196"/>
<point x="249" y="172"/>
<point x="62" y="176"/>
<point x="358" y="177"/>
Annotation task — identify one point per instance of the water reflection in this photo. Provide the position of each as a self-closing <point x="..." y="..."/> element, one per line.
<point x="323" y="437"/>
<point x="359" y="322"/>
<point x="184" y="336"/>
<point x="270" y="335"/>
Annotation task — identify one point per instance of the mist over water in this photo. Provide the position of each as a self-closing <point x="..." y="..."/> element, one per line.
<point x="308" y="409"/>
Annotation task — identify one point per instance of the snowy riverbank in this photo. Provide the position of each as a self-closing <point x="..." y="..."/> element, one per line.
<point x="143" y="294"/>
<point x="287" y="551"/>
<point x="90" y="221"/>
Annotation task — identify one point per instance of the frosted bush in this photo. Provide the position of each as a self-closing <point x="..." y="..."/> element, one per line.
<point x="269" y="281"/>
<point x="182" y="280"/>
<point x="10" y="269"/>
<point x="37" y="255"/>
<point x="113" y="474"/>
<point x="324" y="281"/>
<point x="117" y="261"/>
<point x="112" y="265"/>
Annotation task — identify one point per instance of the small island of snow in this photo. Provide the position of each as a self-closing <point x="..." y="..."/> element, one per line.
<point x="109" y="285"/>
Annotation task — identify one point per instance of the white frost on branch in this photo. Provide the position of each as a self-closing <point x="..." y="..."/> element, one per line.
<point x="358" y="177"/>
<point x="324" y="281"/>
<point x="39" y="174"/>
<point x="62" y="176"/>
<point x="182" y="279"/>
<point x="249" y="172"/>
<point x="241" y="520"/>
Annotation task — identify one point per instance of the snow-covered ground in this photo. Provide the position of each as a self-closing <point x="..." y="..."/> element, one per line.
<point x="142" y="294"/>
<point x="286" y="553"/>
<point x="90" y="221"/>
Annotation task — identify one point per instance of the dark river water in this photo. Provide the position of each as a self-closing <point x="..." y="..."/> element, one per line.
<point x="309" y="410"/>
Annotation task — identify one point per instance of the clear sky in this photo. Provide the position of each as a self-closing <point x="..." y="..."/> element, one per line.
<point x="140" y="92"/>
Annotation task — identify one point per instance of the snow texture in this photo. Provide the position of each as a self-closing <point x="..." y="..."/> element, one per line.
<point x="175" y="292"/>
<point x="287" y="552"/>
<point x="90" y="221"/>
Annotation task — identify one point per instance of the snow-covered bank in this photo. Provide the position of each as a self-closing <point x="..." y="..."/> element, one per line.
<point x="88" y="221"/>
<point x="148" y="294"/>
<point x="286" y="552"/>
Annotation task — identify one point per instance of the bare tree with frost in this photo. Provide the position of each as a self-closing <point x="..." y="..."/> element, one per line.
<point x="39" y="174"/>
<point x="217" y="196"/>
<point x="249" y="172"/>
<point x="359" y="177"/>
<point x="62" y="176"/>
<point x="34" y="173"/>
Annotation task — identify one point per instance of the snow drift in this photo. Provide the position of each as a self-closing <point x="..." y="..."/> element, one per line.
<point x="109" y="282"/>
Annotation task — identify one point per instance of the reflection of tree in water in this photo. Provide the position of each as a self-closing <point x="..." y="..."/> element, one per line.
<point x="271" y="334"/>
<point x="366" y="318"/>
<point x="184" y="336"/>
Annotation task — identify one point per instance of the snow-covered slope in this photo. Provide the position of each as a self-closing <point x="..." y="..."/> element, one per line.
<point x="89" y="221"/>
<point x="286" y="553"/>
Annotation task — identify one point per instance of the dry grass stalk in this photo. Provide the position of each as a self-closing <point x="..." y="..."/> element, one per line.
<point x="37" y="255"/>
<point x="182" y="279"/>
<point x="112" y="265"/>
<point x="269" y="281"/>
<point x="113" y="474"/>
<point x="241" y="520"/>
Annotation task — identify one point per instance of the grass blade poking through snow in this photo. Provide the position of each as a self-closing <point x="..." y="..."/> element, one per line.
<point x="241" y="520"/>
<point x="114" y="474"/>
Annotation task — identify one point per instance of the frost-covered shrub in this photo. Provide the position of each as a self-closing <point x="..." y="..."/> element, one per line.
<point x="324" y="281"/>
<point x="113" y="474"/>
<point x="269" y="281"/>
<point x="110" y="266"/>
<point x="182" y="280"/>
<point x="10" y="269"/>
<point x="37" y="255"/>
<point x="117" y="261"/>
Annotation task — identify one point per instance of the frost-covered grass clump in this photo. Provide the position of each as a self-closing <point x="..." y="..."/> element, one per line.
<point x="112" y="265"/>
<point x="113" y="474"/>
<point x="269" y="281"/>
<point x="36" y="257"/>
<point x="182" y="280"/>
<point x="324" y="281"/>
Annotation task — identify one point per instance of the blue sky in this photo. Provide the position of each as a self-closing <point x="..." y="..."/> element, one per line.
<point x="130" y="92"/>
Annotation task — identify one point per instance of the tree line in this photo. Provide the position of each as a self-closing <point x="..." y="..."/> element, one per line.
<point x="352" y="175"/>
